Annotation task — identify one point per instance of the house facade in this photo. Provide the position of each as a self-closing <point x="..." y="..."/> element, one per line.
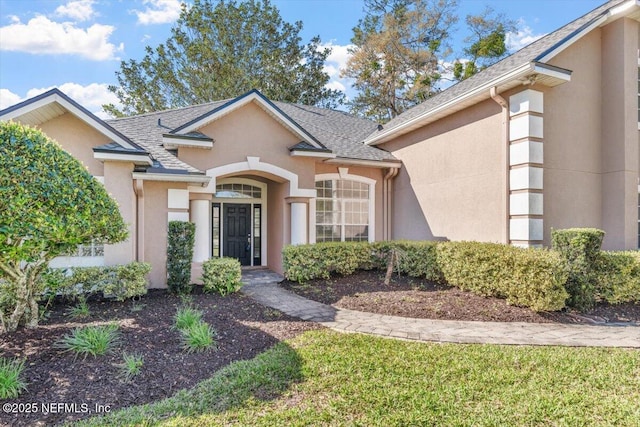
<point x="546" y="138"/>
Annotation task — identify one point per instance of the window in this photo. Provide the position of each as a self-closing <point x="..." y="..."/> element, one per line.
<point x="238" y="191"/>
<point x="216" y="230"/>
<point x="92" y="249"/>
<point x="342" y="211"/>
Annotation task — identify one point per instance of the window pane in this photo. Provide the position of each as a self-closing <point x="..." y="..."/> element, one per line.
<point x="342" y="210"/>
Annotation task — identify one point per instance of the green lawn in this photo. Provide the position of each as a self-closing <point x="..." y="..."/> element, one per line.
<point x="328" y="378"/>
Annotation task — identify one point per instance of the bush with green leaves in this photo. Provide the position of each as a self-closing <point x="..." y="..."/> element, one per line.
<point x="532" y="278"/>
<point x="11" y="382"/>
<point x="317" y="261"/>
<point x="580" y="247"/>
<point x="118" y="281"/>
<point x="59" y="206"/>
<point x="180" y="241"/>
<point x="91" y="340"/>
<point x="221" y="275"/>
<point x="415" y="258"/>
<point x="617" y="277"/>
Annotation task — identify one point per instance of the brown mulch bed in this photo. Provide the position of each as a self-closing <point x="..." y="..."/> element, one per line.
<point x="412" y="297"/>
<point x="244" y="329"/>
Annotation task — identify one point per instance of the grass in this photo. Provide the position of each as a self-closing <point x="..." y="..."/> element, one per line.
<point x="197" y="337"/>
<point x="131" y="366"/>
<point x="79" y="311"/>
<point x="186" y="317"/>
<point x="11" y="383"/>
<point x="91" y="340"/>
<point x="327" y="378"/>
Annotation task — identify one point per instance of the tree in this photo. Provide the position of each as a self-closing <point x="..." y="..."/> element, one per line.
<point x="220" y="51"/>
<point x="398" y="47"/>
<point x="486" y="43"/>
<point x="49" y="204"/>
<point x="401" y="47"/>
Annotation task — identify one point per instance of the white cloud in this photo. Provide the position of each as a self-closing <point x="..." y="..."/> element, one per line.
<point x="78" y="10"/>
<point x="42" y="36"/>
<point x="8" y="98"/>
<point x="158" y="12"/>
<point x="334" y="64"/>
<point x="522" y="37"/>
<point x="91" y="96"/>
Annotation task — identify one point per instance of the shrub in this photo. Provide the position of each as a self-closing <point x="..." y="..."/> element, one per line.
<point x="119" y="281"/>
<point x="221" y="275"/>
<point x="180" y="241"/>
<point x="11" y="383"/>
<point x="91" y="340"/>
<point x="307" y="262"/>
<point x="525" y="277"/>
<point x="49" y="203"/>
<point x="131" y="366"/>
<point x="618" y="277"/>
<point x="197" y="337"/>
<point x="185" y="317"/>
<point x="417" y="258"/>
<point x="580" y="248"/>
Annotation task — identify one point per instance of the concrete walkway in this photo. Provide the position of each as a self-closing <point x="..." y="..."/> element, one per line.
<point x="262" y="286"/>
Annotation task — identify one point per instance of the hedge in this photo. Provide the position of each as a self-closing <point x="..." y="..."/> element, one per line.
<point x="617" y="277"/>
<point x="119" y="281"/>
<point x="221" y="275"/>
<point x="532" y="278"/>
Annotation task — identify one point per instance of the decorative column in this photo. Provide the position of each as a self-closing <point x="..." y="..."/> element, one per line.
<point x="201" y="217"/>
<point x="298" y="222"/>
<point x="526" y="225"/>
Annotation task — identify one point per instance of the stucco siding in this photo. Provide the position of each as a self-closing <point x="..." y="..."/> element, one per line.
<point x="77" y="138"/>
<point x="250" y="131"/>
<point x="117" y="181"/>
<point x="452" y="183"/>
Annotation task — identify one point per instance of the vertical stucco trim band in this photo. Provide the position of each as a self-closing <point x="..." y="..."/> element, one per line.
<point x="525" y="159"/>
<point x="138" y="188"/>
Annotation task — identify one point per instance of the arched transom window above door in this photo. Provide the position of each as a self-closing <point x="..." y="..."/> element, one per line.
<point x="238" y="191"/>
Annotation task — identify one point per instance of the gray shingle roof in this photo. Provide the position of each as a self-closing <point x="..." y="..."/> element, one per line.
<point x="340" y="132"/>
<point x="530" y="53"/>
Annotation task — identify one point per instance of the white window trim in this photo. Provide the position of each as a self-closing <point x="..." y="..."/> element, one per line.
<point x="344" y="175"/>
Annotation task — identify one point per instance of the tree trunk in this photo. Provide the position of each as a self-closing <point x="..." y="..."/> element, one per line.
<point x="26" y="310"/>
<point x="390" y="263"/>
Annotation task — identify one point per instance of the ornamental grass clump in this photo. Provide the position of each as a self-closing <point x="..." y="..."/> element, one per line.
<point x="186" y="317"/>
<point x="91" y="340"/>
<point x="198" y="337"/>
<point x="11" y="383"/>
<point x="131" y="366"/>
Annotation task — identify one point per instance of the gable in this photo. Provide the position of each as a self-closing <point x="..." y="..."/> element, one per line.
<point x="77" y="138"/>
<point x="248" y="130"/>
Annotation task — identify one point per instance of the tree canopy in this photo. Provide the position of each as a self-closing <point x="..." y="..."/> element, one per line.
<point x="49" y="204"/>
<point x="220" y="50"/>
<point x="400" y="50"/>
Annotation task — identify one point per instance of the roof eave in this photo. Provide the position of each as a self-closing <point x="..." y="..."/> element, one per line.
<point x="362" y="162"/>
<point x="527" y="73"/>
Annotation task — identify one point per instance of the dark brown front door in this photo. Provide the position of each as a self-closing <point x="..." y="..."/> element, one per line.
<point x="237" y="232"/>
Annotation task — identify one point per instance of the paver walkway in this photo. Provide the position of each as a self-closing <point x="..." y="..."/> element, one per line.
<point x="262" y="286"/>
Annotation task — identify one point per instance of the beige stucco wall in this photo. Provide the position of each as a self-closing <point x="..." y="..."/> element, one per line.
<point x="250" y="131"/>
<point x="591" y="137"/>
<point x="117" y="181"/>
<point x="77" y="138"/>
<point x="452" y="181"/>
<point x="156" y="223"/>
<point x="278" y="228"/>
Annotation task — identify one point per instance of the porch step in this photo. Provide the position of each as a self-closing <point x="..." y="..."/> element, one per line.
<point x="260" y="276"/>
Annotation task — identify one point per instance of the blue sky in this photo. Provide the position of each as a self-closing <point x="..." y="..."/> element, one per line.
<point x="77" y="45"/>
